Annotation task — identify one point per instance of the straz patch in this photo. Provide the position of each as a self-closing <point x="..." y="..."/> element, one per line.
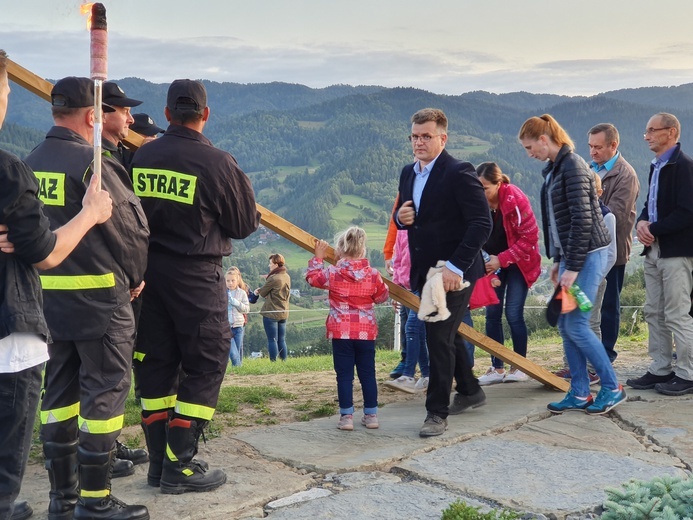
<point x="51" y="188"/>
<point x="164" y="184"/>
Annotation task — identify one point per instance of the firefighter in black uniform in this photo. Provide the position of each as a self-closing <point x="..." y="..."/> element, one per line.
<point x="116" y="126"/>
<point x="196" y="199"/>
<point x="88" y="311"/>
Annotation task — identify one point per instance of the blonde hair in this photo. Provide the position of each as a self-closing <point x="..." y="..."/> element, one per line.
<point x="597" y="182"/>
<point x="277" y="259"/>
<point x="351" y="243"/>
<point x="546" y="125"/>
<point x="234" y="270"/>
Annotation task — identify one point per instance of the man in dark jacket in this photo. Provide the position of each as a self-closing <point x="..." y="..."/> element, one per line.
<point x="443" y="207"/>
<point x="665" y="228"/>
<point x="27" y="243"/>
<point x="87" y="307"/>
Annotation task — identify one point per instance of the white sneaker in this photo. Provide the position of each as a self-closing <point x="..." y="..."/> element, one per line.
<point x="491" y="377"/>
<point x="422" y="384"/>
<point x="515" y="375"/>
<point x="404" y="384"/>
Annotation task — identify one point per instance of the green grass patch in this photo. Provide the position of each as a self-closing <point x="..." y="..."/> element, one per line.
<point x="231" y="397"/>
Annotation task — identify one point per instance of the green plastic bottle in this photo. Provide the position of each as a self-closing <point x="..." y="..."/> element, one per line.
<point x="581" y="298"/>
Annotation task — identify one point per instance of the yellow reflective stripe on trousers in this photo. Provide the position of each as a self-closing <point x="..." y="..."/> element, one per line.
<point x="159" y="403"/>
<point x="99" y="426"/>
<point x="77" y="282"/>
<point x="101" y="493"/>
<point x="139" y="356"/>
<point x="194" y="410"/>
<point x="59" y="414"/>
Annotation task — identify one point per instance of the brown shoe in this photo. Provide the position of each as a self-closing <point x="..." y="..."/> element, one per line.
<point x="433" y="425"/>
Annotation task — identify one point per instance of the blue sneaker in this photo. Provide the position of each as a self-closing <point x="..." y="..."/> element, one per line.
<point x="570" y="402"/>
<point x="397" y="371"/>
<point x="606" y="401"/>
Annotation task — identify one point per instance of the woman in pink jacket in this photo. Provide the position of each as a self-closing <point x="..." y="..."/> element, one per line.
<point x="513" y="247"/>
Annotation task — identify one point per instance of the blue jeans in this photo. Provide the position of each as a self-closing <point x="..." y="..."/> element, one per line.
<point x="611" y="310"/>
<point x="19" y="395"/>
<point x="417" y="351"/>
<point x="513" y="289"/>
<point x="346" y="354"/>
<point x="236" y="353"/>
<point x="579" y="341"/>
<point x="276" y="337"/>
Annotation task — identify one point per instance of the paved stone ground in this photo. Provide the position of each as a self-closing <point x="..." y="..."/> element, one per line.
<point x="510" y="453"/>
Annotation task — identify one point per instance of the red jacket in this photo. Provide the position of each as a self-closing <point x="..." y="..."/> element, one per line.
<point x="521" y="231"/>
<point x="355" y="287"/>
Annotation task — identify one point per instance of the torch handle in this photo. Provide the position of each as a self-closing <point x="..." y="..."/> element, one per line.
<point x="98" y="124"/>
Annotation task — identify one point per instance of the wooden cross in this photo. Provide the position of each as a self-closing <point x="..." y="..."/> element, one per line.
<point x="286" y="229"/>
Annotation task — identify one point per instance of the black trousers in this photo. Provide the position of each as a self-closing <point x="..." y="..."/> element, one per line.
<point x="86" y="385"/>
<point x="184" y="337"/>
<point x="448" y="358"/>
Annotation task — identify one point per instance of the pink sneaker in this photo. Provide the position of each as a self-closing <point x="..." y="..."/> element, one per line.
<point x="370" y="421"/>
<point x="346" y="422"/>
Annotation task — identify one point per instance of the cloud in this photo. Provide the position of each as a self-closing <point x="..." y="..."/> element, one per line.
<point x="223" y="58"/>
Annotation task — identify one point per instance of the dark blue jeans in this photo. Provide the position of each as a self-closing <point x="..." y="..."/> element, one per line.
<point x="611" y="309"/>
<point x="360" y="353"/>
<point x="19" y="395"/>
<point x="513" y="292"/>
<point x="276" y="337"/>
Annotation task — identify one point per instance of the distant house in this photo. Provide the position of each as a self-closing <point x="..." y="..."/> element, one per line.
<point x="320" y="298"/>
<point x="295" y="292"/>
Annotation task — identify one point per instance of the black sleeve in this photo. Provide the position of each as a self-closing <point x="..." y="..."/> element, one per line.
<point x="22" y="212"/>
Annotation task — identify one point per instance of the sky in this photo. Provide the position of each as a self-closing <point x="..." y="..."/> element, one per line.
<point x="571" y="47"/>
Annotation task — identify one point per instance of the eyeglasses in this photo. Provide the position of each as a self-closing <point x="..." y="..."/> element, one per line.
<point x="425" y="138"/>
<point x="651" y="131"/>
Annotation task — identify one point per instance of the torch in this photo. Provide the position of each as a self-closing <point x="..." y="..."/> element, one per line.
<point x="99" y="73"/>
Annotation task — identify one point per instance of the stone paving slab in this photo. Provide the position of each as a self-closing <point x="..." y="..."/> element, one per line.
<point x="526" y="469"/>
<point x="318" y="446"/>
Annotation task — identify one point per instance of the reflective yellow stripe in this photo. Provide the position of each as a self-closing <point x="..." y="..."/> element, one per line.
<point x="77" y="282"/>
<point x="51" y="188"/>
<point x="139" y="356"/>
<point x="94" y="494"/>
<point x="171" y="456"/>
<point x="195" y="410"/>
<point x="164" y="184"/>
<point x="160" y="403"/>
<point x="100" y="426"/>
<point x="59" y="414"/>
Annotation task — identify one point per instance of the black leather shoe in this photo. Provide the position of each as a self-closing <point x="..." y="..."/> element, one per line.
<point x="123" y="468"/>
<point x="22" y="511"/>
<point x="649" y="381"/>
<point x="136" y="456"/>
<point x="433" y="425"/>
<point x="460" y="402"/>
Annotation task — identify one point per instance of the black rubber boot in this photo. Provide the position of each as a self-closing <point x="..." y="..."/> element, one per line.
<point x="122" y="468"/>
<point x="181" y="472"/>
<point x="136" y="456"/>
<point x="95" y="501"/>
<point x="61" y="463"/>
<point x="154" y="427"/>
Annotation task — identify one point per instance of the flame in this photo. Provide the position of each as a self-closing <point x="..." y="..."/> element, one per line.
<point x="85" y="9"/>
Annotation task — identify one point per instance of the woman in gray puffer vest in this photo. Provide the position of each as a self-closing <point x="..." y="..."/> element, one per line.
<point x="577" y="240"/>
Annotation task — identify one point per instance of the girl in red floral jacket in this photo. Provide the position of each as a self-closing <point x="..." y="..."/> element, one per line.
<point x="354" y="289"/>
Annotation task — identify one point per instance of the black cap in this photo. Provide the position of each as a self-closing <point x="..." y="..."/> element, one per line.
<point x="186" y="94"/>
<point x="74" y="92"/>
<point x="145" y="125"/>
<point x="113" y="95"/>
<point x="554" y="307"/>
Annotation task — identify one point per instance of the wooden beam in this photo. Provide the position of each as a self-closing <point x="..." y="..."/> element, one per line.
<point x="42" y="88"/>
<point x="303" y="239"/>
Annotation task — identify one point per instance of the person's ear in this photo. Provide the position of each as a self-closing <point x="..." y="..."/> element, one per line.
<point x="205" y="115"/>
<point x="167" y="114"/>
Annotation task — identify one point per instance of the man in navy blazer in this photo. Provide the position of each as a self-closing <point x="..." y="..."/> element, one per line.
<point x="443" y="207"/>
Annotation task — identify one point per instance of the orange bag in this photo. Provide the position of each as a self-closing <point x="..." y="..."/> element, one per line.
<point x="568" y="302"/>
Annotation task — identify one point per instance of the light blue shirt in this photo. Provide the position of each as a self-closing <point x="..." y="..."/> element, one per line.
<point x="658" y="162"/>
<point x="606" y="167"/>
